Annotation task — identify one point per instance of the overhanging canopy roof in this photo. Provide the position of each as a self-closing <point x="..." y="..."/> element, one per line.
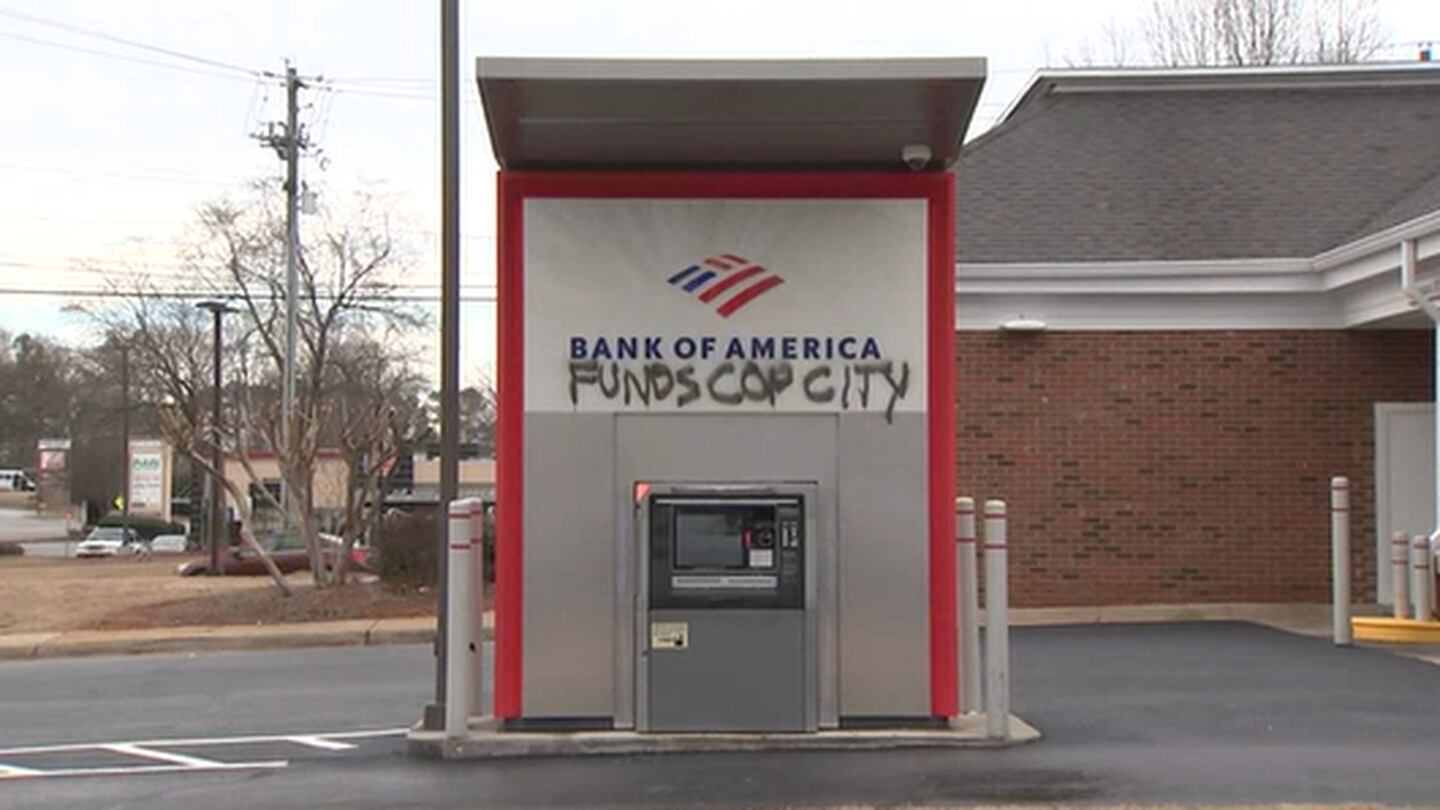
<point x="732" y="114"/>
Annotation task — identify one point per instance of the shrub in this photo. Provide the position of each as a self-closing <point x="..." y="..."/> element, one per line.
<point x="146" y="526"/>
<point x="11" y="549"/>
<point x="406" y="545"/>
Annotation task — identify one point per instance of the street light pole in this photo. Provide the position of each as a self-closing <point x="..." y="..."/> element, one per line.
<point x="217" y="452"/>
<point x="125" y="435"/>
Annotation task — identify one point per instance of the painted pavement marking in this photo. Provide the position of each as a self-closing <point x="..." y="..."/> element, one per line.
<point x="158" y="760"/>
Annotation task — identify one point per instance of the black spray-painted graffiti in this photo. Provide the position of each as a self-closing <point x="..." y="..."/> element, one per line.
<point x="850" y="385"/>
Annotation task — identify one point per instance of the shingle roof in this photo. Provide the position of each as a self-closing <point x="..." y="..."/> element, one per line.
<point x="1214" y="165"/>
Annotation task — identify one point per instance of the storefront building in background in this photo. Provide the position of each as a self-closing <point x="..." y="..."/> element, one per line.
<point x="1179" y="313"/>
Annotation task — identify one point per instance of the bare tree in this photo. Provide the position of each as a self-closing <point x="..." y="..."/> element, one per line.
<point x="168" y="341"/>
<point x="1261" y="32"/>
<point x="1344" y="31"/>
<point x="477" y="415"/>
<point x="350" y="326"/>
<point x="380" y="411"/>
<point x="1115" y="48"/>
<point x="345" y="288"/>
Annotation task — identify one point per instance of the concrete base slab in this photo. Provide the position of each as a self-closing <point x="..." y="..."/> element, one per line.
<point x="486" y="741"/>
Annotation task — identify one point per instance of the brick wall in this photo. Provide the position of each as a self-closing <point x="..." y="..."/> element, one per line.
<point x="1174" y="467"/>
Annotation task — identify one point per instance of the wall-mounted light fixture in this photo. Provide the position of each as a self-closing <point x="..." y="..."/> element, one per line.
<point x="1024" y="324"/>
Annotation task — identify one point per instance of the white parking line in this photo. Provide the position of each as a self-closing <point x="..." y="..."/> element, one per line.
<point x="163" y="756"/>
<point x="321" y="743"/>
<point x="144" y="769"/>
<point x="12" y="771"/>
<point x="174" y="762"/>
<point x="205" y="741"/>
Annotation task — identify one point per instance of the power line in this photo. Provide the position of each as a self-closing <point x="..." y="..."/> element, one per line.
<point x="86" y="220"/>
<point x="122" y="57"/>
<point x="57" y="292"/>
<point x="144" y="46"/>
<point x="169" y="272"/>
<point x="430" y="80"/>
<point x="155" y="177"/>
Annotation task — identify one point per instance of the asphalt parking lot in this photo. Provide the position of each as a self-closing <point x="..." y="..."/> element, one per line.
<point x="1167" y="713"/>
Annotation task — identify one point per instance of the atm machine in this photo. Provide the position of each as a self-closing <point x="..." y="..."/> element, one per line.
<point x="726" y="619"/>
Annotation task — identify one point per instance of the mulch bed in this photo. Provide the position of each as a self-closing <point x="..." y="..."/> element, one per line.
<point x="265" y="605"/>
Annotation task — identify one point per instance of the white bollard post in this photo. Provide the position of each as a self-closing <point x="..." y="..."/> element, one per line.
<point x="968" y="597"/>
<point x="1340" y="558"/>
<point x="459" y="606"/>
<point x="997" y="625"/>
<point x="1400" y="574"/>
<point x="1430" y="563"/>
<point x="477" y="605"/>
<point x="1420" y="579"/>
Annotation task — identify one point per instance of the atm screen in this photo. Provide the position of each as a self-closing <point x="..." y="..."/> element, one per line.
<point x="709" y="540"/>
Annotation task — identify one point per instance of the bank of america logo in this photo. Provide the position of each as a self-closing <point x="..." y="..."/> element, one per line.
<point x="730" y="280"/>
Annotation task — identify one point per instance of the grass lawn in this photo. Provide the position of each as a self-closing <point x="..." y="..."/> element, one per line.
<point x="50" y="594"/>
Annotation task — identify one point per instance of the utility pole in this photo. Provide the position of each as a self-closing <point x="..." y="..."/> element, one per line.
<point x="449" y="326"/>
<point x="292" y="242"/>
<point x="288" y="143"/>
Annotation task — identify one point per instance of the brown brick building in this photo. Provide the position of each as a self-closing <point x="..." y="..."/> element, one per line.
<point x="1179" y="304"/>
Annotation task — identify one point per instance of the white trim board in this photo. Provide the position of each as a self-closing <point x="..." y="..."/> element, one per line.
<point x="1353" y="285"/>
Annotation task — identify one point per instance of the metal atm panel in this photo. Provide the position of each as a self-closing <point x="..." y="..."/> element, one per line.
<point x="725" y="619"/>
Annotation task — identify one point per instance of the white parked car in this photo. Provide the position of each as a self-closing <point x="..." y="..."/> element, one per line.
<point x="168" y="544"/>
<point x="15" y="481"/>
<point x="112" y="541"/>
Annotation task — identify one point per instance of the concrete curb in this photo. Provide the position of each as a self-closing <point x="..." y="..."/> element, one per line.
<point x="486" y="741"/>
<point x="1395" y="631"/>
<point x="351" y="633"/>
<point x="1124" y="614"/>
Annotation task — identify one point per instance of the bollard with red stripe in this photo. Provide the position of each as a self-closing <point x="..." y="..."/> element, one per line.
<point x="1421" y="599"/>
<point x="1400" y="573"/>
<point x="459" y="638"/>
<point x="968" y="607"/>
<point x="997" y="624"/>
<point x="1340" y="558"/>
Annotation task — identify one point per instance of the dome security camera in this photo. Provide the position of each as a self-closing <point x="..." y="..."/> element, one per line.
<point x="916" y="156"/>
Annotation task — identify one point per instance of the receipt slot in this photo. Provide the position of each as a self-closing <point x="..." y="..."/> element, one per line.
<point x="725" y="621"/>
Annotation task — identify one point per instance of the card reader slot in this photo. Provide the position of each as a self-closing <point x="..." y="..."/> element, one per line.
<point x="722" y="582"/>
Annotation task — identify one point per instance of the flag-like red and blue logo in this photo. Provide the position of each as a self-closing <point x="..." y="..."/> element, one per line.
<point x="727" y="281"/>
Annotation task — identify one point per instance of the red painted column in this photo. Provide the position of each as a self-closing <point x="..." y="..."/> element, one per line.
<point x="509" y="452"/>
<point x="940" y="371"/>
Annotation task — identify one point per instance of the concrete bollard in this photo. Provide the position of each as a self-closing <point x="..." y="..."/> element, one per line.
<point x="968" y="598"/>
<point x="1340" y="558"/>
<point x="1431" y="577"/>
<point x="459" y="608"/>
<point x="477" y="606"/>
<point x="997" y="624"/>
<point x="1400" y="574"/>
<point x="1421" y="579"/>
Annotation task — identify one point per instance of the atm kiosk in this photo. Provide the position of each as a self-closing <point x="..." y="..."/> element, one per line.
<point x="725" y="418"/>
<point x="727" y="608"/>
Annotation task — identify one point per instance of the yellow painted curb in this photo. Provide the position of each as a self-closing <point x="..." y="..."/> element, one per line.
<point x="1399" y="631"/>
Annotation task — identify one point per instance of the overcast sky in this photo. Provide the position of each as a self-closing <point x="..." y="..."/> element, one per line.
<point x="107" y="149"/>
